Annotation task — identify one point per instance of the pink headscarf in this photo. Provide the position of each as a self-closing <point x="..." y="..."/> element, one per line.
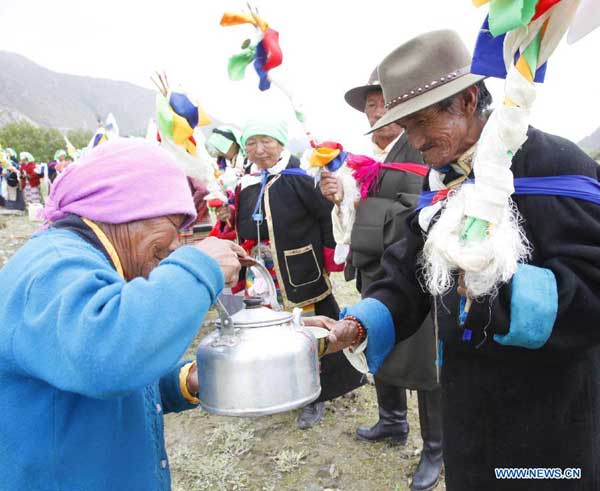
<point x="121" y="181"/>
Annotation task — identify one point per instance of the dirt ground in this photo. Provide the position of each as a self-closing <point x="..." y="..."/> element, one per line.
<point x="209" y="452"/>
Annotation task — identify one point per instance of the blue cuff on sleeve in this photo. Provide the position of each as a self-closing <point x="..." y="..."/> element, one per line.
<point x="202" y="266"/>
<point x="171" y="397"/>
<point x="377" y="320"/>
<point x="533" y="308"/>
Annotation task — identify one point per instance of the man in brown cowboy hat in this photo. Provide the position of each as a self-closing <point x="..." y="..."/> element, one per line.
<point x="392" y="197"/>
<point x="505" y="405"/>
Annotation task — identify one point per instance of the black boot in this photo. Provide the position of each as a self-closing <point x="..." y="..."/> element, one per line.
<point x="310" y="415"/>
<point x="392" y="422"/>
<point x="428" y="471"/>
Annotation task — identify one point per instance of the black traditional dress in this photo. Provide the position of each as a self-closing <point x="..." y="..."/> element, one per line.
<point x="14" y="199"/>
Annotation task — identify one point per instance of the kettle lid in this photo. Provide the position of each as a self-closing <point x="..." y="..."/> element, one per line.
<point x="257" y="315"/>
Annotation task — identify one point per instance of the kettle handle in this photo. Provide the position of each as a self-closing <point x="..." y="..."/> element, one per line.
<point x="264" y="272"/>
<point x="226" y="326"/>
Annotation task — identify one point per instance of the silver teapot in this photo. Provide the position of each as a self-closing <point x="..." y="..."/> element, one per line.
<point x="258" y="361"/>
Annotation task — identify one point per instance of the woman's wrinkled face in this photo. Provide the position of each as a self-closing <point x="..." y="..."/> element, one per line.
<point x="439" y="134"/>
<point x="146" y="243"/>
<point x="263" y="150"/>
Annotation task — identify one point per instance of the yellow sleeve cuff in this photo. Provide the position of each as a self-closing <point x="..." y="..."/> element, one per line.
<point x="183" y="375"/>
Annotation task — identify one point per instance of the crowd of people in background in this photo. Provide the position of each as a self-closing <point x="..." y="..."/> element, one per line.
<point x="25" y="183"/>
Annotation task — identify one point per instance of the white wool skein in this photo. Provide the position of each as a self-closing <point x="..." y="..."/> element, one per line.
<point x="485" y="263"/>
<point x="494" y="260"/>
<point x="344" y="211"/>
<point x="346" y="214"/>
<point x="347" y="206"/>
<point x="503" y="135"/>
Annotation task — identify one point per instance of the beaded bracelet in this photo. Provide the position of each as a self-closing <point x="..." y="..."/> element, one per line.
<point x="362" y="332"/>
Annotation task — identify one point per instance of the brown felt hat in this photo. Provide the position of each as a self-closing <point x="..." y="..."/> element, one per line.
<point x="357" y="97"/>
<point x="422" y="72"/>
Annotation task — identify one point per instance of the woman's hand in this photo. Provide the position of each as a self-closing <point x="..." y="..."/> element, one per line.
<point x="223" y="213"/>
<point x="341" y="333"/>
<point x="227" y="254"/>
<point x="331" y="187"/>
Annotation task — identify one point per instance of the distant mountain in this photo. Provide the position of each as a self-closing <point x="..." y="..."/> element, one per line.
<point x="591" y="142"/>
<point x="46" y="98"/>
<point x="8" y="116"/>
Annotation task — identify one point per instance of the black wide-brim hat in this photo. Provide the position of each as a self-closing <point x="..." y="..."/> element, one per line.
<point x="357" y="97"/>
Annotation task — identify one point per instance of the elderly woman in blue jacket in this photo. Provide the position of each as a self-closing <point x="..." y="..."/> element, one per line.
<point x="96" y="312"/>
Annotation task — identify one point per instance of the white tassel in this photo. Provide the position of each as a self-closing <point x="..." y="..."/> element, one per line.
<point x="347" y="207"/>
<point x="485" y="263"/>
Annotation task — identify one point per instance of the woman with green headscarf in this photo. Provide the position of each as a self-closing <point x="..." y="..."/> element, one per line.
<point x="285" y="220"/>
<point x="224" y="144"/>
<point x="57" y="165"/>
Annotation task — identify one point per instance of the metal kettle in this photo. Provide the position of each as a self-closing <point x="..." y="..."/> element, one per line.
<point x="258" y="361"/>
